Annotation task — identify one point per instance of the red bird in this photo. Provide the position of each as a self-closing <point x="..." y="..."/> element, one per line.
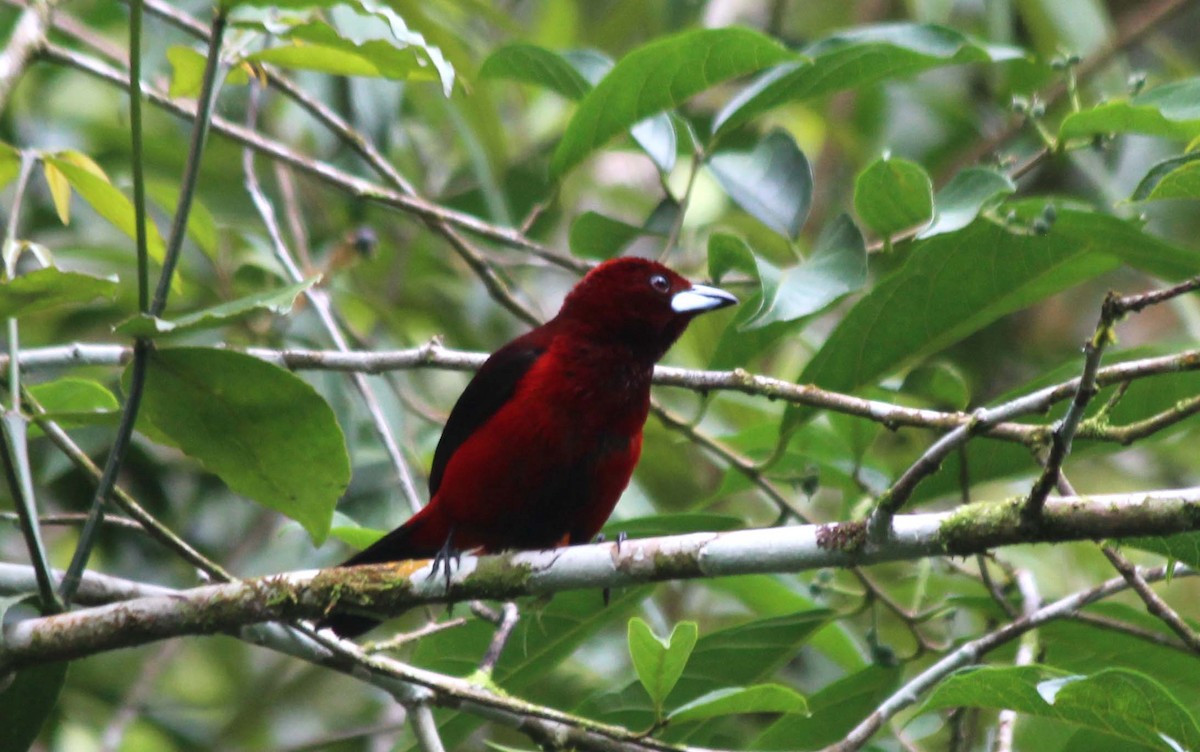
<point x="544" y="439"/>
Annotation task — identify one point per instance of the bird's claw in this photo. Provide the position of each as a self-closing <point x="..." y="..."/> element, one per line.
<point x="442" y="559"/>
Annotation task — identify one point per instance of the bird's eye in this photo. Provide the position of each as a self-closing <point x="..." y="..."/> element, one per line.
<point x="660" y="283"/>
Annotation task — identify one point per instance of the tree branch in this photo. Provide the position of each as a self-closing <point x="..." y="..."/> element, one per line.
<point x="396" y="587"/>
<point x="435" y="355"/>
<point x="972" y="651"/>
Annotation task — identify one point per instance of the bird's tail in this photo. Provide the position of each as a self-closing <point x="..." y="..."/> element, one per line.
<point x="422" y="537"/>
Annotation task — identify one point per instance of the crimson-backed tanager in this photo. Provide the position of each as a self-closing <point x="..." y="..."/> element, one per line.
<point x="544" y="439"/>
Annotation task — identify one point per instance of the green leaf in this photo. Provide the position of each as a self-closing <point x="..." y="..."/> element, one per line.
<point x="201" y="227"/>
<point x="742" y="655"/>
<point x="659" y="663"/>
<point x="278" y="301"/>
<point x="833" y="711"/>
<point x="675" y="523"/>
<point x="892" y="195"/>
<point x="762" y="698"/>
<point x="535" y="65"/>
<point x="10" y="163"/>
<point x="657" y="77"/>
<point x="377" y="43"/>
<point x="1123" y="703"/>
<point x="47" y="288"/>
<point x="261" y="429"/>
<point x="837" y="266"/>
<point x="1184" y="547"/>
<point x="60" y="190"/>
<point x="773" y="181"/>
<point x="1178" y="177"/>
<point x="1170" y="111"/>
<point x="107" y="201"/>
<point x="28" y="700"/>
<point x="954" y="284"/>
<point x="187" y="71"/>
<point x="544" y="637"/>
<point x="73" y="401"/>
<point x="961" y="200"/>
<point x="940" y="383"/>
<point x="595" y="236"/>
<point x="855" y="59"/>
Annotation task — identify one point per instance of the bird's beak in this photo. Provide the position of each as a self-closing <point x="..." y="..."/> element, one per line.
<point x="700" y="298"/>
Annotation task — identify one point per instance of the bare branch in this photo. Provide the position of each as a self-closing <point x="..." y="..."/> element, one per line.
<point x="396" y="587"/>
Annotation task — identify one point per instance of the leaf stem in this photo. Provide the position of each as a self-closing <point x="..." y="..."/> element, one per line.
<point x="16" y="454"/>
<point x="141" y="346"/>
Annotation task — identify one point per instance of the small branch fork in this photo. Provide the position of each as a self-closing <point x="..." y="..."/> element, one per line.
<point x="1083" y="390"/>
<point x="1113" y="309"/>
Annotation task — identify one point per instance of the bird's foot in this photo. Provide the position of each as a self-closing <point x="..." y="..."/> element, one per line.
<point x="442" y="559"/>
<point x="606" y="593"/>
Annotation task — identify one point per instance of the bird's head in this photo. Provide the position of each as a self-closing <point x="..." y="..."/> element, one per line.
<point x="640" y="303"/>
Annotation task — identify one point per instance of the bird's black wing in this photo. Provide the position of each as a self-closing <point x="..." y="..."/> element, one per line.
<point x="492" y="387"/>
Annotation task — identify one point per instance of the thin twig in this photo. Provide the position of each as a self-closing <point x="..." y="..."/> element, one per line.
<point x="742" y="464"/>
<point x="509" y="616"/>
<point x="1115" y="625"/>
<point x="147" y="521"/>
<point x="321" y="304"/>
<point x="970" y="653"/>
<point x="15" y="452"/>
<point x="1154" y="604"/>
<point x="1031" y="601"/>
<point x="174" y="244"/>
<point x="1114" y="307"/>
<point x="1133" y="29"/>
<point x="28" y="38"/>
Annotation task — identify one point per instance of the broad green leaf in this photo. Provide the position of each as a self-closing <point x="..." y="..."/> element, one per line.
<point x="201" y="227"/>
<point x="954" y="284"/>
<point x="659" y="663"/>
<point x="854" y="59"/>
<point x="743" y="655"/>
<point x="350" y="532"/>
<point x="728" y="253"/>
<point x="261" y="429"/>
<point x="47" y="288"/>
<point x="10" y="163"/>
<point x="595" y="236"/>
<point x="60" y="190"/>
<point x="893" y="194"/>
<point x="278" y="301"/>
<point x="531" y="64"/>
<point x="1178" y="177"/>
<point x="940" y="383"/>
<point x="773" y="181"/>
<point x="675" y="523"/>
<point x="779" y="595"/>
<point x="1184" y="547"/>
<point x="187" y="71"/>
<point x="1170" y="111"/>
<point x="107" y="201"/>
<point x="544" y="638"/>
<point x="833" y="711"/>
<point x="1119" y="702"/>
<point x="761" y="698"/>
<point x="74" y="401"/>
<point x="961" y="200"/>
<point x="657" y="77"/>
<point x="379" y="45"/>
<point x="837" y="266"/>
<point x="1081" y="648"/>
<point x="28" y="699"/>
